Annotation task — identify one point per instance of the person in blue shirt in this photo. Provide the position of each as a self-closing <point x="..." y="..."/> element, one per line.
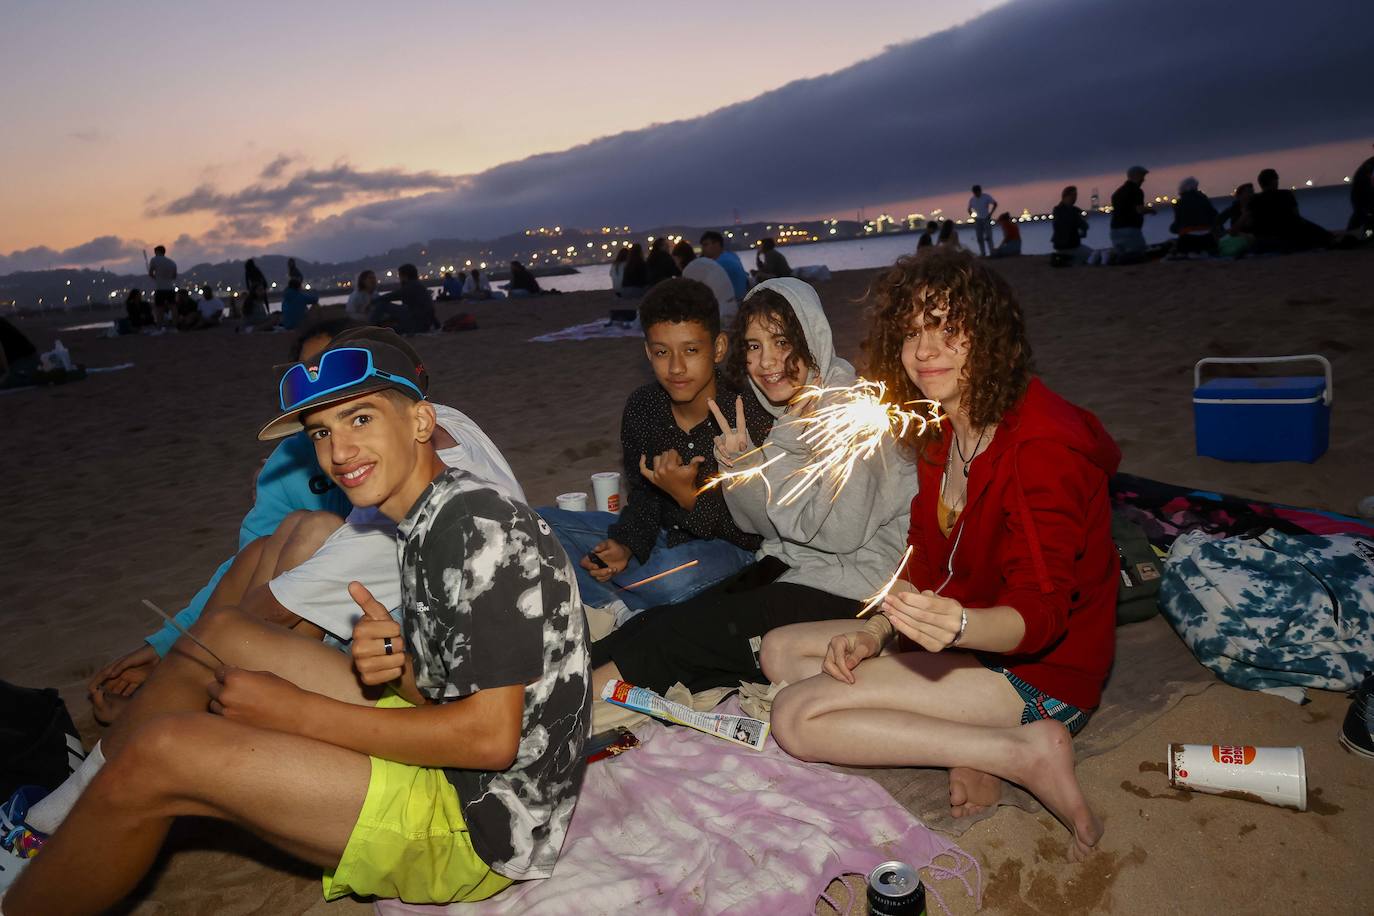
<point x="294" y="304"/>
<point x="713" y="247"/>
<point x="290" y="482"/>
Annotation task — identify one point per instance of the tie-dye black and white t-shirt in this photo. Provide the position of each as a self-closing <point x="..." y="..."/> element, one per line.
<point x="489" y="599"/>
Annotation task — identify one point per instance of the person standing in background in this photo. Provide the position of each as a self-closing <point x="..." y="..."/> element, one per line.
<point x="981" y="206"/>
<point x="163" y="271"/>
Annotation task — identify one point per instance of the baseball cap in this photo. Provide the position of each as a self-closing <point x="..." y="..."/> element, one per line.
<point x="1137" y="170"/>
<point x="367" y="359"/>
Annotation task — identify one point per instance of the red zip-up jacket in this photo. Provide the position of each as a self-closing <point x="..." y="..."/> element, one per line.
<point x="1034" y="535"/>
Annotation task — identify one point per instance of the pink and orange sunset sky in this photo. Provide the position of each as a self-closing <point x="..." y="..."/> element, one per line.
<point x="340" y="127"/>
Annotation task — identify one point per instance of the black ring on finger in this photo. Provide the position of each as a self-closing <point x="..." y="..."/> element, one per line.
<point x="387" y="646"/>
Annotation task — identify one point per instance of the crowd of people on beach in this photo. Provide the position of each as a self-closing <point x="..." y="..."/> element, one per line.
<point x="1267" y="221"/>
<point x="408" y="309"/>
<point x="718" y="267"/>
<point x="1254" y="222"/>
<point x="397" y="663"/>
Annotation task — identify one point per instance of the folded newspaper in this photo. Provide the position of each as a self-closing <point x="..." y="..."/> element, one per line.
<point x="738" y="729"/>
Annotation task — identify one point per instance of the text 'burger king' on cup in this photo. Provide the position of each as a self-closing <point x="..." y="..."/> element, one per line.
<point x="1277" y="775"/>
<point x="606" y="491"/>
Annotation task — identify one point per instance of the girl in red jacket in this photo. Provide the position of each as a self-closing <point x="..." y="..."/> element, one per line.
<point x="1004" y="616"/>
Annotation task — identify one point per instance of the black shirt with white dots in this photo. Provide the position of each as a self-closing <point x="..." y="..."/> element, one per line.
<point x="649" y="428"/>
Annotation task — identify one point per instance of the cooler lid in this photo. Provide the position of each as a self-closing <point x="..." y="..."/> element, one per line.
<point x="1288" y="387"/>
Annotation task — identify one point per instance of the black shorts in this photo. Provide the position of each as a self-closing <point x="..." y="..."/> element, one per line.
<point x="167" y="297"/>
<point x="711" y="639"/>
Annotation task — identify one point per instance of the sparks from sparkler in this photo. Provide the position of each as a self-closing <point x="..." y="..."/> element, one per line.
<point x="849" y="427"/>
<point x="877" y="600"/>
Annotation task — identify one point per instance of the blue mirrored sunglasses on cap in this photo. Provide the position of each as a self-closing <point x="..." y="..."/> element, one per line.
<point x="338" y="369"/>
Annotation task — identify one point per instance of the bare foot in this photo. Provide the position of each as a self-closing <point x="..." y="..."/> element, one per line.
<point x="972" y="791"/>
<point x="107" y="705"/>
<point x="1046" y="770"/>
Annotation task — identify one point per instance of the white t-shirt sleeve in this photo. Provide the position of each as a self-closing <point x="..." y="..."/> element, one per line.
<point x="476" y="453"/>
<point x="362" y="550"/>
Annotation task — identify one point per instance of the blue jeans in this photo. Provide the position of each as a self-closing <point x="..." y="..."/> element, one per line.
<point x="579" y="532"/>
<point x="982" y="232"/>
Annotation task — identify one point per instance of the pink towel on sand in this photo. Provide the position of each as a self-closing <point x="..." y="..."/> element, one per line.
<point x="687" y="823"/>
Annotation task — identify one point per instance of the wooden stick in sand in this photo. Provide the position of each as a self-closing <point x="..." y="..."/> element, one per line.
<point x="180" y="629"/>
<point x="689" y="564"/>
<point x="877" y="599"/>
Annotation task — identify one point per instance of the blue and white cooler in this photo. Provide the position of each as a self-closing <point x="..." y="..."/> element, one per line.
<point x="1263" y="418"/>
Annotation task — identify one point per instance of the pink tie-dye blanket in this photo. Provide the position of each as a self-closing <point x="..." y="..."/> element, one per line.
<point x="687" y="823"/>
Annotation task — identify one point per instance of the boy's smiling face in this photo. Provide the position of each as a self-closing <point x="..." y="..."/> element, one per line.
<point x="684" y="357"/>
<point x="368" y="446"/>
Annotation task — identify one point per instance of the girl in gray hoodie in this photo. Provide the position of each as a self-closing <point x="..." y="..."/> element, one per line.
<point x="824" y="553"/>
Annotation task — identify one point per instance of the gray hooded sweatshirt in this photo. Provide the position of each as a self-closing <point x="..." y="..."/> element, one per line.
<point x="849" y="545"/>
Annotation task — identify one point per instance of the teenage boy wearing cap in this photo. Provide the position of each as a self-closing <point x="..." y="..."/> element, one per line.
<point x="300" y="569"/>
<point x="1128" y="213"/>
<point x="460" y="779"/>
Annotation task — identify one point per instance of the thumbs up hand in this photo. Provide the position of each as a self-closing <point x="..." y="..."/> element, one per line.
<point x="379" y="654"/>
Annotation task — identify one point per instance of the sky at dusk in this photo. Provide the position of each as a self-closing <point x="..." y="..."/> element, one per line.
<point x="332" y="131"/>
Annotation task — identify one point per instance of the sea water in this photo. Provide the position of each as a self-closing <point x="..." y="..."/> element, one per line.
<point x="1328" y="206"/>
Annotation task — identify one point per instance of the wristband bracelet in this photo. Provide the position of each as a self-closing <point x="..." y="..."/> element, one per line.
<point x="963" y="625"/>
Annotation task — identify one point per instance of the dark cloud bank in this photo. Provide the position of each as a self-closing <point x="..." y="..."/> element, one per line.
<point x="1037" y="89"/>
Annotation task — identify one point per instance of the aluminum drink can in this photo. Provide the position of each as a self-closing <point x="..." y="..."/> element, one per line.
<point x="895" y="889"/>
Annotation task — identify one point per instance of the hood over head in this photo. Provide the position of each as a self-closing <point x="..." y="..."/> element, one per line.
<point x="806" y="304"/>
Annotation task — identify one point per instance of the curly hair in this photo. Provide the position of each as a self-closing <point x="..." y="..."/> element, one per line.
<point x="773" y="310"/>
<point x="950" y="288"/>
<point x="680" y="299"/>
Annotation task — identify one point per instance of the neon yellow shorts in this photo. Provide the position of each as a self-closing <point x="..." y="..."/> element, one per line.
<point x="410" y="841"/>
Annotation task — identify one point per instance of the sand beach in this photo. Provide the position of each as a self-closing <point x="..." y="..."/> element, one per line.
<point x="131" y="485"/>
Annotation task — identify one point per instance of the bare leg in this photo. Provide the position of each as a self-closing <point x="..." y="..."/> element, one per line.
<point x="794" y="653"/>
<point x="972" y="791"/>
<point x="309" y="533"/>
<point x="178" y="684"/>
<point x="298" y="536"/>
<point x="301" y="795"/>
<point x="946" y="709"/>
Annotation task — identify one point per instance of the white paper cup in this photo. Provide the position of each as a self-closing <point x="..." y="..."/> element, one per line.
<point x="573" y="502"/>
<point x="606" y="489"/>
<point x="1277" y="775"/>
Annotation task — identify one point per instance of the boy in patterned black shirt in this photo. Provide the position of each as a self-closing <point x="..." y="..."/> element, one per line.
<point x="667" y="436"/>
<point x="441" y="764"/>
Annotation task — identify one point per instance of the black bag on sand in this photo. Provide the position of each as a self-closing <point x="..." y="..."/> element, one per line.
<point x="1137" y="597"/>
<point x="39" y="745"/>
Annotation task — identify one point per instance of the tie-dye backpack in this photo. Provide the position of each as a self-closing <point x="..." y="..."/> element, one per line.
<point x="1275" y="612"/>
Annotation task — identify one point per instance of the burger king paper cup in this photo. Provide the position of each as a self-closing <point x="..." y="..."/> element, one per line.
<point x="1277" y="775"/>
<point x="606" y="490"/>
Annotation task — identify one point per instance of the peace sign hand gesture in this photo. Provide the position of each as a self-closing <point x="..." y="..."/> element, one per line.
<point x="733" y="442"/>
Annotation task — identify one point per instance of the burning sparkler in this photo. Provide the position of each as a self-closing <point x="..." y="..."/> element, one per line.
<point x="676" y="569"/>
<point x="877" y="600"/>
<point x="849" y="426"/>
